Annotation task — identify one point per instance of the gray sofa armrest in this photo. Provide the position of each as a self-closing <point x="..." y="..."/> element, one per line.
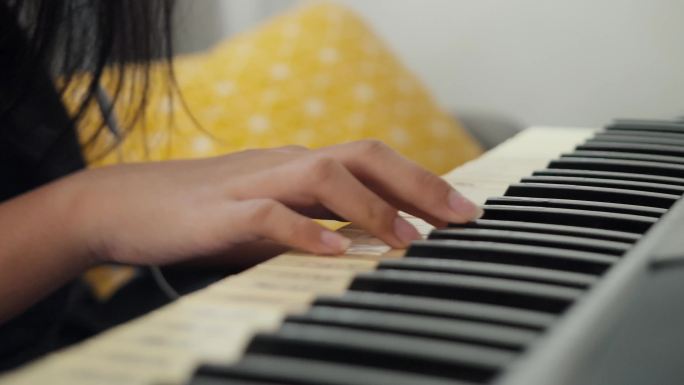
<point x="489" y="128"/>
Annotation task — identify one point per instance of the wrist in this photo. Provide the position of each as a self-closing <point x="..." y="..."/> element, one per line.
<point x="71" y="205"/>
<point x="43" y="245"/>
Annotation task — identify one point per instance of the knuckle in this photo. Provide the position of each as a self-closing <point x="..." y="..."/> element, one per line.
<point x="381" y="215"/>
<point x="322" y="168"/>
<point x="372" y="146"/>
<point x="297" y="229"/>
<point x="262" y="210"/>
<point x="285" y="232"/>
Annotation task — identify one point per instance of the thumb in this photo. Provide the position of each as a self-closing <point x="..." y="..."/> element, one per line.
<point x="270" y="219"/>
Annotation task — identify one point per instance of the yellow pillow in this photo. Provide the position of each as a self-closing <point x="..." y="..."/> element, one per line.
<point x="314" y="76"/>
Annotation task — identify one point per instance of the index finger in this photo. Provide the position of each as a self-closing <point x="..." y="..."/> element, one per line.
<point x="407" y="185"/>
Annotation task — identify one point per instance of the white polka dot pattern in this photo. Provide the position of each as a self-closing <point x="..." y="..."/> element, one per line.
<point x="315" y="76"/>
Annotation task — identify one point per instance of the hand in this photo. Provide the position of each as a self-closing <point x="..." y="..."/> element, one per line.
<point x="159" y="213"/>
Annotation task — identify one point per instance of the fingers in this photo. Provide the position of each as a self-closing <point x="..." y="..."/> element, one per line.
<point x="404" y="183"/>
<point x="363" y="182"/>
<point x="269" y="219"/>
<point x="338" y="190"/>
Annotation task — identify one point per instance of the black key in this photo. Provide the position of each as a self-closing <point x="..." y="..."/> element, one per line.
<point x="595" y="219"/>
<point x="608" y="183"/>
<point x="508" y="253"/>
<point x="596" y="194"/>
<point x="383" y="351"/>
<point x="534" y="239"/>
<point x="210" y="379"/>
<point x="544" y="228"/>
<point x="640" y="148"/>
<point x="450" y="310"/>
<point x="504" y="292"/>
<point x="578" y="205"/>
<point x="203" y="378"/>
<point x="633" y="138"/>
<point x="281" y="370"/>
<point x="647" y="125"/>
<point x="625" y="156"/>
<point x="610" y="175"/>
<point x="494" y="270"/>
<point x="650" y="134"/>
<point x="503" y="337"/>
<point x="630" y="166"/>
<point x="619" y="121"/>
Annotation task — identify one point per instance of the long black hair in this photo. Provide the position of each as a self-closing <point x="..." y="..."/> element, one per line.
<point x="72" y="37"/>
<point x="46" y="45"/>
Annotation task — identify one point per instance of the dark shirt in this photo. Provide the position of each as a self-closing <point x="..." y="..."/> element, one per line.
<point x="37" y="145"/>
<point x="37" y="139"/>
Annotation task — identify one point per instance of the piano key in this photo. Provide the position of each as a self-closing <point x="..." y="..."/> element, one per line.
<point x="594" y="219"/>
<point x="608" y="183"/>
<point x="544" y="228"/>
<point x="202" y="378"/>
<point x="678" y="160"/>
<point x="596" y="194"/>
<point x="383" y="351"/>
<point x="578" y="205"/>
<point x="534" y="239"/>
<point x="602" y="137"/>
<point x="497" y="291"/>
<point x="629" y="166"/>
<point x="651" y="134"/>
<point x="503" y="337"/>
<point x="640" y="148"/>
<point x="494" y="270"/>
<point x="513" y="254"/>
<point x="610" y="175"/>
<point x="646" y="121"/>
<point x="447" y="309"/>
<point x="280" y="370"/>
<point x="646" y="125"/>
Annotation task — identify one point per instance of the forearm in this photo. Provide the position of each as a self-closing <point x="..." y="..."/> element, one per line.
<point x="169" y="212"/>
<point x="40" y="246"/>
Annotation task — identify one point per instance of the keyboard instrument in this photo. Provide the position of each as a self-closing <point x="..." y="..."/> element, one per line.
<point x="574" y="275"/>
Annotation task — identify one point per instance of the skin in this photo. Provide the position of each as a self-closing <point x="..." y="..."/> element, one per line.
<point x="182" y="211"/>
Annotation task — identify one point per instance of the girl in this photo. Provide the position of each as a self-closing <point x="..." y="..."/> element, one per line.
<point x="58" y="219"/>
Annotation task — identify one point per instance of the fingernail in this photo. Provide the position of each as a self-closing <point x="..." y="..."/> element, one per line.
<point x="463" y="206"/>
<point x="334" y="241"/>
<point x="405" y="231"/>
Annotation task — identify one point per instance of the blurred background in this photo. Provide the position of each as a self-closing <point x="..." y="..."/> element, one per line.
<point x="508" y="64"/>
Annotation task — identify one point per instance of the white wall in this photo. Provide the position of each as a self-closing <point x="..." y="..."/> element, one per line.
<point x="200" y="23"/>
<point x="559" y="62"/>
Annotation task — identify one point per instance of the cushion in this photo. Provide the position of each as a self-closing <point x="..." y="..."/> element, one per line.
<point x="315" y="76"/>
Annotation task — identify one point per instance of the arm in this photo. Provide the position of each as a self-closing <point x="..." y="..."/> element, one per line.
<point x="170" y="212"/>
<point x="40" y="249"/>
